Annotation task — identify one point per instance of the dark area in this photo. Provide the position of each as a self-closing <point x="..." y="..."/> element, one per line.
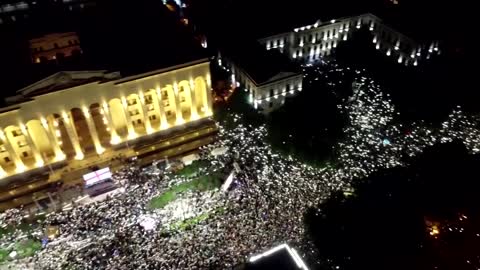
<point x="130" y="37"/>
<point x="308" y="125"/>
<point x="429" y="91"/>
<point x="389" y="221"/>
<point x="260" y="64"/>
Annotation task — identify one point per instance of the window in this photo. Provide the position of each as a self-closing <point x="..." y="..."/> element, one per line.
<point x="149" y="98"/>
<point x="334" y="31"/>
<point x="139" y="121"/>
<point x="271" y="92"/>
<point x="25" y="154"/>
<point x="328" y="33"/>
<point x="169" y="113"/>
<point x="271" y="104"/>
<point x="16" y="133"/>
<point x="132" y="101"/>
<point x="310" y="38"/>
<point x="152" y="117"/>
<point x="6" y="159"/>
<point x="288" y="87"/>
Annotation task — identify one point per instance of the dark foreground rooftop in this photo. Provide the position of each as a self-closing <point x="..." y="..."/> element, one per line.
<point x="281" y="257"/>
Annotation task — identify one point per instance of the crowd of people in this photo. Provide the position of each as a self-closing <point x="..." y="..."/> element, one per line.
<point x="263" y="207"/>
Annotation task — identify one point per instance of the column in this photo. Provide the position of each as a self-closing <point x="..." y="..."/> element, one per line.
<point x="128" y="119"/>
<point x="93" y="132"/>
<point x="193" y="105"/>
<point x="208" y="108"/>
<point x="49" y="130"/>
<point x="178" y="107"/>
<point x="163" y="117"/>
<point x="114" y="138"/>
<point x="146" y="119"/>
<point x="36" y="154"/>
<point x="19" y="166"/>
<point x="72" y="134"/>
<point x="2" y="172"/>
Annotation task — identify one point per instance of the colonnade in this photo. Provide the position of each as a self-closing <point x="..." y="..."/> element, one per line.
<point x="91" y="129"/>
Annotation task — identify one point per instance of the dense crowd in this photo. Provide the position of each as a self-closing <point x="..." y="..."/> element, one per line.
<point x="264" y="206"/>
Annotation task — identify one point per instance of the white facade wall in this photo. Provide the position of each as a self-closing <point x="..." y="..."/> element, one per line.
<point x="311" y="42"/>
<point x="272" y="96"/>
<point x="268" y="96"/>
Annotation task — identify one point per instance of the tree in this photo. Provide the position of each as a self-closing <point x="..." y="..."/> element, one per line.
<point x="425" y="216"/>
<point x="309" y="124"/>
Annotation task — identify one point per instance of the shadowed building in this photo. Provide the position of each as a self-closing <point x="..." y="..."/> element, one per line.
<point x="54" y="47"/>
<point x="76" y="115"/>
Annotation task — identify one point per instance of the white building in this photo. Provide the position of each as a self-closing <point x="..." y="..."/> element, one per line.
<point x="309" y="43"/>
<point x="268" y="80"/>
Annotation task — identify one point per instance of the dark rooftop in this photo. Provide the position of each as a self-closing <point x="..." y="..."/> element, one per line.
<point x="260" y="64"/>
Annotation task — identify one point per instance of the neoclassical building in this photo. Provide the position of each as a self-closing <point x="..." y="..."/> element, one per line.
<point x="269" y="78"/>
<point x="309" y="43"/>
<point x="73" y="115"/>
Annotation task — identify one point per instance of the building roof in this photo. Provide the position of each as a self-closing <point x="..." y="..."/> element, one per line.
<point x="263" y="66"/>
<point x="66" y="79"/>
<point x="281" y="257"/>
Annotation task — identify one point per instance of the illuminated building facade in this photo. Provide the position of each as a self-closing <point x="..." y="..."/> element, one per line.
<point x="268" y="77"/>
<point x="269" y="94"/>
<point x="309" y="43"/>
<point x="54" y="47"/>
<point x="76" y="115"/>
